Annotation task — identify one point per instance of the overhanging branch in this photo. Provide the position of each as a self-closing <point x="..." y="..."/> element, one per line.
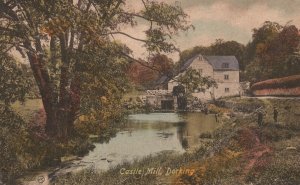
<point x="141" y="63"/>
<point x="127" y="35"/>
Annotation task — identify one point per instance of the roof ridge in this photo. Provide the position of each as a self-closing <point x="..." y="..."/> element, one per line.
<point x="215" y="61"/>
<point x="219" y="55"/>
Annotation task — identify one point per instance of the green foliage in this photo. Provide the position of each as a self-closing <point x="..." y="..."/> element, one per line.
<point x="283" y="170"/>
<point x="146" y="74"/>
<point x="24" y="146"/>
<point x="104" y="82"/>
<point x="273" y="52"/>
<point x="189" y="82"/>
<point x="165" y="160"/>
<point x="76" y="62"/>
<point x="291" y="65"/>
<point x="165" y="20"/>
<point x="177" y="90"/>
<point x="232" y="48"/>
<point x="13" y="143"/>
<point x="13" y="84"/>
<point x="193" y="80"/>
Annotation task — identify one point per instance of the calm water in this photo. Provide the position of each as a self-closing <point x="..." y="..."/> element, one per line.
<point x="141" y="135"/>
<point x="146" y="134"/>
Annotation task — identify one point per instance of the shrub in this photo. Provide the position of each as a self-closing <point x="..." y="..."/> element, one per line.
<point x="13" y="139"/>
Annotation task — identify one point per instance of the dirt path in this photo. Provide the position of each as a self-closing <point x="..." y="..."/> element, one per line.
<point x="254" y="152"/>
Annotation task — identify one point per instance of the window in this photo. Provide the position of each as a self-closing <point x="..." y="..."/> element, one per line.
<point x="226" y="89"/>
<point x="226" y="77"/>
<point x="225" y="65"/>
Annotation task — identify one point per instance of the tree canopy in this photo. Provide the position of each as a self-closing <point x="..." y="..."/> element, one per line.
<point x="273" y="52"/>
<point x="72" y="52"/>
<point x="13" y="83"/>
<point x="193" y="81"/>
<point x="146" y="74"/>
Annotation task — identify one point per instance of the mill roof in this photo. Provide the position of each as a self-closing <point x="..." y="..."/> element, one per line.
<point x="217" y="62"/>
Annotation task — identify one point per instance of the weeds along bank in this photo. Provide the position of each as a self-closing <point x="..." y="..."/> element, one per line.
<point x="24" y="146"/>
<point x="240" y="152"/>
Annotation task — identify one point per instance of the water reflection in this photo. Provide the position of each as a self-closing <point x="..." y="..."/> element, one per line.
<point x="195" y="123"/>
<point x="145" y="134"/>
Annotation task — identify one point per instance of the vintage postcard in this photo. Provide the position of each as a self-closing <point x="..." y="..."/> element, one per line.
<point x="149" y="92"/>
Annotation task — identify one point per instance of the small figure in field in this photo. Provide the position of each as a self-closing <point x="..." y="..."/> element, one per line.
<point x="260" y="116"/>
<point x="206" y="110"/>
<point x="216" y="117"/>
<point x="275" y="114"/>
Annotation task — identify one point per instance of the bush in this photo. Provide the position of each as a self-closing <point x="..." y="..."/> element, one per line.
<point x="13" y="141"/>
<point x="23" y="148"/>
<point x="283" y="170"/>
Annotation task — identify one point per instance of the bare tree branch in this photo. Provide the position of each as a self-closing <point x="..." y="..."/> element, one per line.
<point x="140" y="62"/>
<point x="122" y="33"/>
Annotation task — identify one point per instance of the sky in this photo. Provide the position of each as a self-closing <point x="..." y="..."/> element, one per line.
<point x="219" y="19"/>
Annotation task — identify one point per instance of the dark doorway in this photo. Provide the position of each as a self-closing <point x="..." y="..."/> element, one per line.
<point x="167" y="104"/>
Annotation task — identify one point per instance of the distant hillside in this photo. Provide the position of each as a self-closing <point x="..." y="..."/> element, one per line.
<point x="287" y="86"/>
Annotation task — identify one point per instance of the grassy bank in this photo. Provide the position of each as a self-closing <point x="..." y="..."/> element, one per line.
<point x="240" y="152"/>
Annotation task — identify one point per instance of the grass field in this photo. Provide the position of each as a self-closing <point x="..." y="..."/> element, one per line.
<point x="27" y="109"/>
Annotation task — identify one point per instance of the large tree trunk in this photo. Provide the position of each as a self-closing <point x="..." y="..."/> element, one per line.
<point x="60" y="120"/>
<point x="61" y="108"/>
<point x="68" y="110"/>
<point x="46" y="91"/>
<point x="51" y="127"/>
<point x="61" y="117"/>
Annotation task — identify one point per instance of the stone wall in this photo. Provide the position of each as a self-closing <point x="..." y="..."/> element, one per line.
<point x="155" y="101"/>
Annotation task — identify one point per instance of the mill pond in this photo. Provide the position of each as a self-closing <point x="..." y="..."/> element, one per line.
<point x="141" y="135"/>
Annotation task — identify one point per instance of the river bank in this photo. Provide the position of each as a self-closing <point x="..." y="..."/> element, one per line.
<point x="141" y="135"/>
<point x="240" y="152"/>
<point x="25" y="148"/>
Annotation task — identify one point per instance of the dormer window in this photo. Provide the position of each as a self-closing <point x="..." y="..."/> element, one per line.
<point x="225" y="65"/>
<point x="200" y="57"/>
